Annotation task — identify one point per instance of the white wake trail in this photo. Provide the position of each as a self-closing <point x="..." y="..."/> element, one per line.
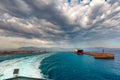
<point x="28" y="66"/>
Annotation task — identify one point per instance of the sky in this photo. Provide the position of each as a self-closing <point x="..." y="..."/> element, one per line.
<point x="59" y="23"/>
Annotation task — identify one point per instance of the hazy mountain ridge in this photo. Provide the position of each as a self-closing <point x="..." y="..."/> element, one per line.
<point x="45" y="48"/>
<point x="29" y="48"/>
<point x="66" y="49"/>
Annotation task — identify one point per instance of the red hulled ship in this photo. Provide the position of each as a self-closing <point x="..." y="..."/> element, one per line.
<point x="78" y="51"/>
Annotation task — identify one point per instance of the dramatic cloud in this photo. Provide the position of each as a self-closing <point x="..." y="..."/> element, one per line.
<point x="59" y="23"/>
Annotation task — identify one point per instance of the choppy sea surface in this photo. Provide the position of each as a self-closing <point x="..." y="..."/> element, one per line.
<point x="61" y="66"/>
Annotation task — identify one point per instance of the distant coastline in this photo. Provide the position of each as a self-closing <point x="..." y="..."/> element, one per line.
<point x="32" y="50"/>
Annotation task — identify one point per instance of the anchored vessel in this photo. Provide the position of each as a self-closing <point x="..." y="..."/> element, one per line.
<point x="78" y="51"/>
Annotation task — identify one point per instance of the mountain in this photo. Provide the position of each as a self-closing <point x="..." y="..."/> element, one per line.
<point x="29" y="48"/>
<point x="46" y="48"/>
<point x="94" y="49"/>
<point x="100" y="49"/>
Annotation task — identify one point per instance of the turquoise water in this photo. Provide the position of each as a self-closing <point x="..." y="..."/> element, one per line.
<point x="61" y="66"/>
<point x="69" y="66"/>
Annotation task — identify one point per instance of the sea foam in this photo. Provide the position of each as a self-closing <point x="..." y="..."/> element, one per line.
<point x="28" y="66"/>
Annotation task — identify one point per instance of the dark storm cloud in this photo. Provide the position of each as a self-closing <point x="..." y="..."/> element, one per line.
<point x="35" y="8"/>
<point x="58" y="21"/>
<point x="18" y="30"/>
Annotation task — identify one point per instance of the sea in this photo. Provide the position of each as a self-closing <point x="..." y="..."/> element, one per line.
<point x="60" y="66"/>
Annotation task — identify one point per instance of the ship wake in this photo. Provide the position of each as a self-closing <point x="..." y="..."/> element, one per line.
<point x="28" y="66"/>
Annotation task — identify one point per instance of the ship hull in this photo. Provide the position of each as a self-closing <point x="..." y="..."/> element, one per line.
<point x="79" y="52"/>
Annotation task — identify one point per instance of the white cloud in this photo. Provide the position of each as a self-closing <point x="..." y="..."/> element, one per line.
<point x="22" y="6"/>
<point x="15" y="42"/>
<point x="53" y="23"/>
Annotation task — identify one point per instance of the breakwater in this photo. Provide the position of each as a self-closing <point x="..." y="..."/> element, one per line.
<point x="100" y="55"/>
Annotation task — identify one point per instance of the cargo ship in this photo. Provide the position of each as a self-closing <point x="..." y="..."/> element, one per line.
<point x="78" y="51"/>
